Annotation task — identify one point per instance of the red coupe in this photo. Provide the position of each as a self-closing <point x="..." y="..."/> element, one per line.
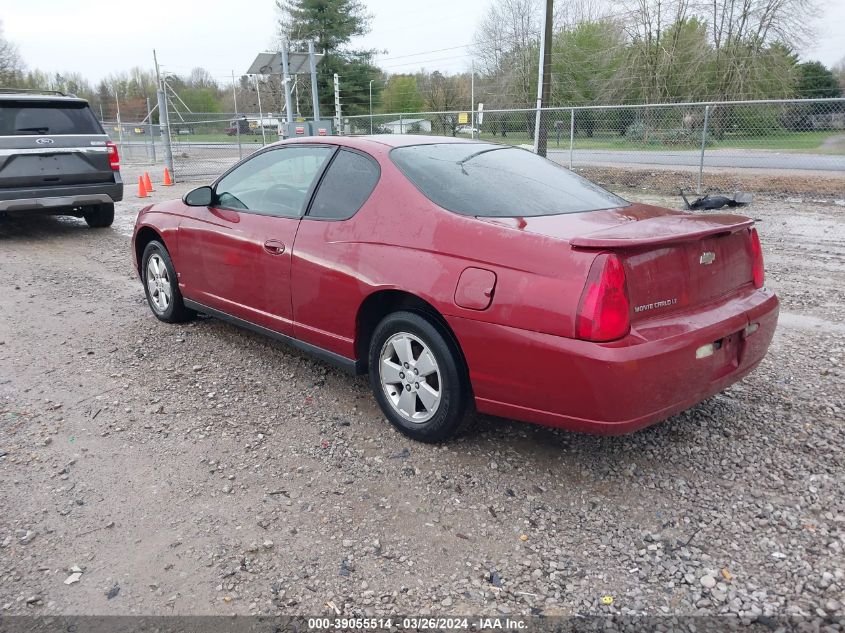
<point x="461" y="273"/>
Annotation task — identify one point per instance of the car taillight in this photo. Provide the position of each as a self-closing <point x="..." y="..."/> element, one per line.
<point x="114" y="157"/>
<point x="604" y="310"/>
<point x="757" y="259"/>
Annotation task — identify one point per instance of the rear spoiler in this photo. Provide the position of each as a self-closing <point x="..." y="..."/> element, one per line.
<point x="661" y="230"/>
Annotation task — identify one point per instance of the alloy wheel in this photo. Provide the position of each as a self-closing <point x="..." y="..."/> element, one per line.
<point x="410" y="377"/>
<point x="158" y="283"/>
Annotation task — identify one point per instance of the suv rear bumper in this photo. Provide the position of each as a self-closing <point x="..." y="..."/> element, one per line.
<point x="46" y="199"/>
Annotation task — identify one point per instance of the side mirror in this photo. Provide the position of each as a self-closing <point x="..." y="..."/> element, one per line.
<point x="199" y="197"/>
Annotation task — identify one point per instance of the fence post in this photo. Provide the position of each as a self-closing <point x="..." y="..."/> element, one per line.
<point x="238" y="134"/>
<point x="119" y="127"/>
<point x="703" y="145"/>
<point x="401" y="126"/>
<point x="150" y="129"/>
<point x="337" y="110"/>
<point x="164" y="127"/>
<point x="571" y="134"/>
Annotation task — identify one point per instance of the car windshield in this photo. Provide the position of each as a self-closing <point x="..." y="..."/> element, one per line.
<point x="488" y="180"/>
<point x="21" y="118"/>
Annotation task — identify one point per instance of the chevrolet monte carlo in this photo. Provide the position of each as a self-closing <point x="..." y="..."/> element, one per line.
<point x="463" y="274"/>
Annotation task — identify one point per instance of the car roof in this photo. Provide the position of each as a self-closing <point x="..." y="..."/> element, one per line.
<point x="400" y="140"/>
<point x="381" y="141"/>
<point x="29" y="96"/>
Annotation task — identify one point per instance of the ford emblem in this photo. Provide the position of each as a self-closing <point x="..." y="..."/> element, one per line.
<point x="44" y="141"/>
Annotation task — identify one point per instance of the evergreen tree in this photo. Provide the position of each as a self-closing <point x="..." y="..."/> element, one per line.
<point x="816" y="81"/>
<point x="331" y="25"/>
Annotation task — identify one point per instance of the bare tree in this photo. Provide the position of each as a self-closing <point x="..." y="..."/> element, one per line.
<point x="201" y="78"/>
<point x="506" y="46"/>
<point x="445" y="94"/>
<point x="743" y="31"/>
<point x="11" y="64"/>
<point x="663" y="47"/>
<point x="839" y="73"/>
<point x="570" y="13"/>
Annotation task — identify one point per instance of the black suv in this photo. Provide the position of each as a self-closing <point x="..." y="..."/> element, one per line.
<point x="55" y="158"/>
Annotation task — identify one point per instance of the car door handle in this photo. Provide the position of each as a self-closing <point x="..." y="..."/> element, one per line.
<point x="274" y="247"/>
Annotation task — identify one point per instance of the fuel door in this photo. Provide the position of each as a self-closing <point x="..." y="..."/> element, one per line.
<point x="475" y="289"/>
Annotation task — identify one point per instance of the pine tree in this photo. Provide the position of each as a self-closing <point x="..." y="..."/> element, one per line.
<point x="331" y="25"/>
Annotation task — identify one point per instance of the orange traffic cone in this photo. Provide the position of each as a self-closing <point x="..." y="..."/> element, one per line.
<point x="147" y="182"/>
<point x="142" y="189"/>
<point x="167" y="181"/>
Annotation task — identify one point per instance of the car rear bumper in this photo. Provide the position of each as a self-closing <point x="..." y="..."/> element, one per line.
<point x="619" y="387"/>
<point x="53" y="199"/>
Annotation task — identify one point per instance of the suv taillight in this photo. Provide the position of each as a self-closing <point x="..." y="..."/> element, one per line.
<point x="604" y="310"/>
<point x="114" y="157"/>
<point x="757" y="259"/>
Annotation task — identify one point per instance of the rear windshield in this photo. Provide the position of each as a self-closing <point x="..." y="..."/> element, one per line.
<point x="20" y="118"/>
<point x="487" y="180"/>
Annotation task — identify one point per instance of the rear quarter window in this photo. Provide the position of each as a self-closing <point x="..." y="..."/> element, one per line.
<point x="345" y="187"/>
<point x="23" y="118"/>
<point x="488" y="180"/>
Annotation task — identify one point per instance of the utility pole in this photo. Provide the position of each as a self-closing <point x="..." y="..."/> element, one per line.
<point x="544" y="80"/>
<point x="234" y="93"/>
<point x="286" y="82"/>
<point x="261" y="114"/>
<point x="337" y="104"/>
<point x="315" y="98"/>
<point x="164" y="120"/>
<point x="237" y="119"/>
<point x="158" y="74"/>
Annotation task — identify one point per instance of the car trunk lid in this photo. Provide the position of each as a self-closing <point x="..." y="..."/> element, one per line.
<point x="673" y="260"/>
<point x="677" y="261"/>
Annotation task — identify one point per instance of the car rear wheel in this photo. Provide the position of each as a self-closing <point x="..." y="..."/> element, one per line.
<point x="417" y="377"/>
<point x="161" y="285"/>
<point x="99" y="216"/>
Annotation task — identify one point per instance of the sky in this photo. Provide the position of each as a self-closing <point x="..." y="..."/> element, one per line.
<point x="98" y="37"/>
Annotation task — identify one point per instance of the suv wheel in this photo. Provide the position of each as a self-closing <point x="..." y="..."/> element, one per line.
<point x="99" y="216"/>
<point x="417" y="377"/>
<point x="161" y="285"/>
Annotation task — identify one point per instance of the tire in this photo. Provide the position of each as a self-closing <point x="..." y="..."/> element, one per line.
<point x="161" y="286"/>
<point x="428" y="410"/>
<point x="99" y="216"/>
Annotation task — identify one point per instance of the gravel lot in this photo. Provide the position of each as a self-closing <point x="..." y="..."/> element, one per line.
<point x="202" y="469"/>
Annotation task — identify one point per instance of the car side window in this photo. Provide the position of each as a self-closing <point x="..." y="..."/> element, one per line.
<point x="273" y="183"/>
<point x="345" y="187"/>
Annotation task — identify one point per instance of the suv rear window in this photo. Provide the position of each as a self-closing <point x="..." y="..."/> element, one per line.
<point x="487" y="180"/>
<point x="21" y="118"/>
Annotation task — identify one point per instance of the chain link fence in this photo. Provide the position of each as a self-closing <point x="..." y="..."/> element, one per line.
<point x="205" y="145"/>
<point x="787" y="147"/>
<point x="138" y="142"/>
<point x="202" y="145"/>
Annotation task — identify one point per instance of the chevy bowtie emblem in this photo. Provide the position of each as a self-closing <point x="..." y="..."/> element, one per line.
<point x="707" y="258"/>
<point x="44" y="141"/>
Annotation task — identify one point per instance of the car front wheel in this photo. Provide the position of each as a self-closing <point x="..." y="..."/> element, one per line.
<point x="99" y="216"/>
<point x="418" y="377"/>
<point x="161" y="285"/>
